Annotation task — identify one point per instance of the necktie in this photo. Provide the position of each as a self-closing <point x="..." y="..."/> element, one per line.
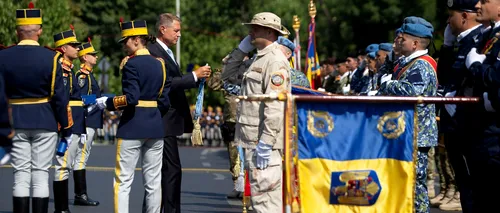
<point x="171" y="54"/>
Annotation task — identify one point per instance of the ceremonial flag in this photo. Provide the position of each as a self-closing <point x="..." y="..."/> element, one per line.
<point x="296" y="54"/>
<point x="312" y="60"/>
<point x="356" y="157"/>
<point x="298" y="90"/>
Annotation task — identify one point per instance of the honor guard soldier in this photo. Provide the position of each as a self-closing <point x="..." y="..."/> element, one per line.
<point x="88" y="86"/>
<point x="483" y="81"/>
<point x="140" y="133"/>
<point x="459" y="38"/>
<point x="67" y="43"/>
<point x="416" y="76"/>
<point x="259" y="126"/>
<point x="36" y="93"/>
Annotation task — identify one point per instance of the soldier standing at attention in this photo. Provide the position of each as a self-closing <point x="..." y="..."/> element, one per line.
<point x="259" y="127"/>
<point x="39" y="102"/>
<point x="416" y="76"/>
<point x="140" y="132"/>
<point x="461" y="33"/>
<point x="482" y="126"/>
<point x="67" y="43"/>
<point x="88" y="85"/>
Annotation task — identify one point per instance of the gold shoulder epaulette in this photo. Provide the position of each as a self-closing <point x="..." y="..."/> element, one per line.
<point x="160" y="59"/>
<point x="124" y="61"/>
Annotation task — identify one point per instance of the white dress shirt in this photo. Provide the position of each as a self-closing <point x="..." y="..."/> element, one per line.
<point x="171" y="54"/>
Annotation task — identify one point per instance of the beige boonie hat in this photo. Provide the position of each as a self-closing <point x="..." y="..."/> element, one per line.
<point x="270" y="20"/>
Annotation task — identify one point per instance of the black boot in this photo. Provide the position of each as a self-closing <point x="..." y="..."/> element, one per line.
<point x="61" y="196"/>
<point x="21" y="204"/>
<point x="40" y="205"/>
<point x="81" y="197"/>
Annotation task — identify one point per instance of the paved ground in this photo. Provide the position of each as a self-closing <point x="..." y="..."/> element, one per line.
<point x="205" y="183"/>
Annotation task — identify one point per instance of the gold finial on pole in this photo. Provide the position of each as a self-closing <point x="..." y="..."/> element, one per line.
<point x="312" y="9"/>
<point x="296" y="23"/>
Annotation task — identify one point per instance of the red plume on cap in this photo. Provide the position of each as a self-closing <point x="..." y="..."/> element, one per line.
<point x="31" y="5"/>
<point x="72" y="28"/>
<point x="121" y="19"/>
<point x="88" y="38"/>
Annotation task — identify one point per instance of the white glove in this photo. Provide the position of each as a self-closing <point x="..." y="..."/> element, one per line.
<point x="372" y="93"/>
<point x="68" y="140"/>
<point x="449" y="38"/>
<point x="473" y="57"/>
<point x="6" y="156"/>
<point x="90" y="108"/>
<point x="246" y="44"/>
<point x="83" y="138"/>
<point x="487" y="103"/>
<point x="346" y="89"/>
<point x="101" y="102"/>
<point x="451" y="108"/>
<point x="263" y="152"/>
<point x="385" y="78"/>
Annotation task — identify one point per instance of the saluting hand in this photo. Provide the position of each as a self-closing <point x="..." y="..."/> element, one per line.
<point x="203" y="72"/>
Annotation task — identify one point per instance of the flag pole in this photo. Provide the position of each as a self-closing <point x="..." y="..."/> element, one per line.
<point x="296" y="28"/>
<point x="288" y="153"/>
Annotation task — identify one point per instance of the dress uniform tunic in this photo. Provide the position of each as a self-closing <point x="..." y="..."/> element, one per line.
<point x="140" y="132"/>
<point x="65" y="163"/>
<point x="94" y="119"/>
<point x="36" y="92"/>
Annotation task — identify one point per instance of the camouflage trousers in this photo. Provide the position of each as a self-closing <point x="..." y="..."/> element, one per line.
<point x="422" y="204"/>
<point x="431" y="166"/>
<point x="445" y="171"/>
<point x="227" y="130"/>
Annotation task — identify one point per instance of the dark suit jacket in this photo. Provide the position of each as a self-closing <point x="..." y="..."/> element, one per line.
<point x="178" y="119"/>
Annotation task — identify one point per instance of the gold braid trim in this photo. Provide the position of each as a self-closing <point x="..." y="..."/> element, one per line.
<point x="70" y="119"/>
<point x="124" y="61"/>
<point x="120" y="101"/>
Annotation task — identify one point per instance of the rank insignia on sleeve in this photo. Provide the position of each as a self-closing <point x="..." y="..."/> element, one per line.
<point x="81" y="82"/>
<point x="277" y="79"/>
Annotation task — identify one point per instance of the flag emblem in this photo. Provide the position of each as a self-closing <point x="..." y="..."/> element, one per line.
<point x="392" y="124"/>
<point x="360" y="188"/>
<point x="319" y="123"/>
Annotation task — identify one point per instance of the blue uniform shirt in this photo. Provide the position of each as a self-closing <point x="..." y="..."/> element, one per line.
<point x="416" y="77"/>
<point x="88" y="86"/>
<point x="143" y="79"/>
<point x="35" y="87"/>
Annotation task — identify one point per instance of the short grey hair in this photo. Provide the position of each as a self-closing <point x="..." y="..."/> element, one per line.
<point x="166" y="19"/>
<point x="28" y="30"/>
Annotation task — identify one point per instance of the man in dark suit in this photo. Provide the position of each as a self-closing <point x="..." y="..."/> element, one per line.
<point x="178" y="119"/>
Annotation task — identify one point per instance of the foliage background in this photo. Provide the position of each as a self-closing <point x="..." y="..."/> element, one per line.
<point x="212" y="28"/>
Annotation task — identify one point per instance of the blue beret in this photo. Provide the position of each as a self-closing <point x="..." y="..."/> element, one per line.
<point x="397" y="32"/>
<point x="417" y="30"/>
<point x="286" y="42"/>
<point x="418" y="20"/>
<point x="372" y="55"/>
<point x="463" y="5"/>
<point x="386" y="47"/>
<point x="371" y="48"/>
